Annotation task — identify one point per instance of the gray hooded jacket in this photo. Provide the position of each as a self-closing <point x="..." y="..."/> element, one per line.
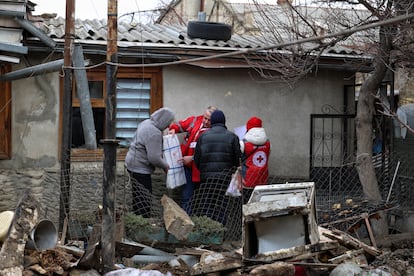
<point x="145" y="151"/>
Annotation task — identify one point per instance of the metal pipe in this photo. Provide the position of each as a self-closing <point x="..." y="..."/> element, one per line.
<point x="32" y="71"/>
<point x="393" y="180"/>
<point x="146" y="259"/>
<point x="13" y="48"/>
<point x="82" y="89"/>
<point x="28" y="26"/>
<point x="153" y="251"/>
<point x="7" y="13"/>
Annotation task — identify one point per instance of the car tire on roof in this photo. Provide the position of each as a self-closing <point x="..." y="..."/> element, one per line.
<point x="208" y="30"/>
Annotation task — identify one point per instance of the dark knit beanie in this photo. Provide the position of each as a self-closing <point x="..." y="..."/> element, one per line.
<point x="217" y="117"/>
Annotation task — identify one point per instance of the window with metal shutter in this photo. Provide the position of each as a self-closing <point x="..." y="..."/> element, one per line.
<point x="133" y="105"/>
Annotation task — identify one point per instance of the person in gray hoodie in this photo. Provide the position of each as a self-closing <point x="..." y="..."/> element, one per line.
<point x="144" y="155"/>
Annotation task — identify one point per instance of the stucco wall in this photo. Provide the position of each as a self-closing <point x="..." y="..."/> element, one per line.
<point x="189" y="90"/>
<point x="285" y="113"/>
<point x="35" y="122"/>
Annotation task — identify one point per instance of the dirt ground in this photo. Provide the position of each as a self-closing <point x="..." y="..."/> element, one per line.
<point x="399" y="257"/>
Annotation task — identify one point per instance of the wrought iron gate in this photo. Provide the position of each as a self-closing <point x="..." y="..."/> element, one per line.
<point x="332" y="153"/>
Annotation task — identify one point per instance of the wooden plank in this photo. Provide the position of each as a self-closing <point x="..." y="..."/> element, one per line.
<point x="83" y="155"/>
<point x="371" y="234"/>
<point x="5" y="115"/>
<point x="127" y="249"/>
<point x="306" y="256"/>
<point x="222" y="265"/>
<point x="75" y="251"/>
<point x="358" y="217"/>
<point x="64" y="230"/>
<point x="346" y="256"/>
<point x="349" y="241"/>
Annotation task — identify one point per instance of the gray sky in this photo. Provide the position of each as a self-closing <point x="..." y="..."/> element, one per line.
<point x="97" y="9"/>
<point x="91" y="9"/>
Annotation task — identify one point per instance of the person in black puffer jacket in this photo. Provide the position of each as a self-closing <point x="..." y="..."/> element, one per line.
<point x="217" y="156"/>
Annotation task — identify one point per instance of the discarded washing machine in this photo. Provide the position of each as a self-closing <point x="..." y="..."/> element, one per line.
<point x="279" y="221"/>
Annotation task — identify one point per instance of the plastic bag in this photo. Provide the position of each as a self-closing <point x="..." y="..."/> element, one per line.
<point x="235" y="184"/>
<point x="172" y="154"/>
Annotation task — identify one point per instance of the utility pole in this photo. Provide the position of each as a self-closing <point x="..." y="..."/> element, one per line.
<point x="66" y="118"/>
<point x="110" y="143"/>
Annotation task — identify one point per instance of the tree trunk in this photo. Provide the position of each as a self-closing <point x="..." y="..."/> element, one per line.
<point x="365" y="113"/>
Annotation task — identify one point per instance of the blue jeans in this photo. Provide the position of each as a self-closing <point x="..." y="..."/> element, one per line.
<point x="187" y="191"/>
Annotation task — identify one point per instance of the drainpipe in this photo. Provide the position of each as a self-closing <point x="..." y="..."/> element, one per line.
<point x="34" y="70"/>
<point x="82" y="90"/>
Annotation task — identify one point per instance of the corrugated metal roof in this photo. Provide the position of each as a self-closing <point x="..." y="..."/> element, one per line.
<point x="274" y="23"/>
<point x="133" y="32"/>
<point x="157" y="34"/>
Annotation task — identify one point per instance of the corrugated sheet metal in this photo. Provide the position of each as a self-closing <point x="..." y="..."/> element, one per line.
<point x="157" y="34"/>
<point x="128" y="32"/>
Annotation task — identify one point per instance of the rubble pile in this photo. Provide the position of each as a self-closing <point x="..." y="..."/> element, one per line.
<point x="280" y="237"/>
<point x="321" y="259"/>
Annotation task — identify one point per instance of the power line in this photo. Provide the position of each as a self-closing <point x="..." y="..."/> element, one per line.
<point x="269" y="47"/>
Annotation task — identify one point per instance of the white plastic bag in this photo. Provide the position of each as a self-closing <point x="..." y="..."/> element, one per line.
<point x="234" y="187"/>
<point x="172" y="154"/>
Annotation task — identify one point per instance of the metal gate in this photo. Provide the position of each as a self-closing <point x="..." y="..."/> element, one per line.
<point x="332" y="153"/>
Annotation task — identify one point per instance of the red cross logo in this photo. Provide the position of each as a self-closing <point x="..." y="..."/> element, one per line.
<point x="259" y="159"/>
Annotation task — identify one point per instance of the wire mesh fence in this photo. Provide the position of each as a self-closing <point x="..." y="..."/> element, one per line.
<point x="339" y="197"/>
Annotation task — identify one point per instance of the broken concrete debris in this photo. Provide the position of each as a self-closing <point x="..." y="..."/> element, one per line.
<point x="280" y="237"/>
<point x="177" y="222"/>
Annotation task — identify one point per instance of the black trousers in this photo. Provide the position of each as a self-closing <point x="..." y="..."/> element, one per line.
<point x="141" y="194"/>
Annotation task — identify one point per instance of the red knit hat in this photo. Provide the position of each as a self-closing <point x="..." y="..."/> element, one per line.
<point x="253" y="122"/>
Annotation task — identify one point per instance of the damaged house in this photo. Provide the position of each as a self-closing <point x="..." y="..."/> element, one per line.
<point x="310" y="122"/>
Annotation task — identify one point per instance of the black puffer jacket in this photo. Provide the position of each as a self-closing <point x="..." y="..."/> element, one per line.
<point x="217" y="153"/>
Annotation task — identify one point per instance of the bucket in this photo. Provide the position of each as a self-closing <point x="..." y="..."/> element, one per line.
<point x="43" y="236"/>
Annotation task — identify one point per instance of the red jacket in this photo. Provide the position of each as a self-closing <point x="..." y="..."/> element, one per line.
<point x="193" y="126"/>
<point x="255" y="157"/>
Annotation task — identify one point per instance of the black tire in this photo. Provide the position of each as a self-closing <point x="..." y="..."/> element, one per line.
<point x="209" y="30"/>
